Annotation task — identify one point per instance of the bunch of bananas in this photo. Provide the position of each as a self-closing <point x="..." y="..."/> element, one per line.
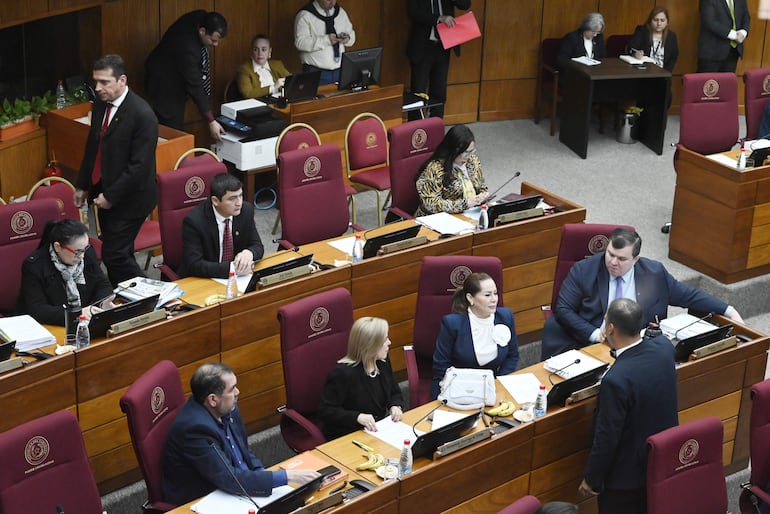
<point x="502" y="410"/>
<point x="375" y="461"/>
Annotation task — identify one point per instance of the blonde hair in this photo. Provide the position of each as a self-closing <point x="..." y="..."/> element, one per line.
<point x="367" y="336"/>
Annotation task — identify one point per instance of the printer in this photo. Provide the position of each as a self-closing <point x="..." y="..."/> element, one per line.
<point x="255" y="150"/>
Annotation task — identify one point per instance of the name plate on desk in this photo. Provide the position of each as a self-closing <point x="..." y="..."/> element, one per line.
<point x="269" y="280"/>
<point x="582" y="394"/>
<point x="402" y="245"/>
<point x="10" y="364"/>
<point x="519" y="215"/>
<point x="138" y="321"/>
<point x="322" y="504"/>
<point x="462" y="442"/>
<point x="718" y="346"/>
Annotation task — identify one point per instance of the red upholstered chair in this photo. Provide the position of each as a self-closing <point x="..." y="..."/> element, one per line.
<point x="188" y="158"/>
<point x="178" y="192"/>
<point x="366" y="151"/>
<point x="314" y="336"/>
<point x="548" y="81"/>
<point x="45" y="465"/>
<point x="757" y="93"/>
<point x="439" y="278"/>
<point x="311" y="195"/>
<point x="759" y="445"/>
<point x="411" y="144"/>
<point x="578" y="241"/>
<point x="525" y="505"/>
<point x="617" y="45"/>
<point x="151" y="404"/>
<point x="147" y="240"/>
<point x="685" y="471"/>
<point x="21" y="227"/>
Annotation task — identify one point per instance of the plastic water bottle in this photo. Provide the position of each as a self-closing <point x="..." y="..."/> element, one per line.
<point x="232" y="287"/>
<point x="358" y="249"/>
<point x="61" y="98"/>
<point x="483" y="218"/>
<point x="405" y="461"/>
<point x="742" y="160"/>
<point x="541" y="404"/>
<point x="83" y="335"/>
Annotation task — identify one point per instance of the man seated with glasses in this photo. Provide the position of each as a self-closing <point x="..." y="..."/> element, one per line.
<point x="63" y="269"/>
<point x="586" y="41"/>
<point x="451" y="180"/>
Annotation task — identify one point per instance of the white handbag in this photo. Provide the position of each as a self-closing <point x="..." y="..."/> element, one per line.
<point x="468" y="389"/>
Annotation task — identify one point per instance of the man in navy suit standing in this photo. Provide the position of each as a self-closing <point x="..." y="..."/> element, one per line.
<point x="118" y="168"/>
<point x="619" y="272"/>
<point x="637" y="399"/>
<point x="724" y="26"/>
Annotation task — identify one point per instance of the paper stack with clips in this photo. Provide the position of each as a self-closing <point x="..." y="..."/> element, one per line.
<point x="142" y="287"/>
<point x="571" y="364"/>
<point x="28" y="333"/>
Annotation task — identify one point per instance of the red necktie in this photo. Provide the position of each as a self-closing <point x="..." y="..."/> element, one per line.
<point x="227" y="243"/>
<point x="96" y="174"/>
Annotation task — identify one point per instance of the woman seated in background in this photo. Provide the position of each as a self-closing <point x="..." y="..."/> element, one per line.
<point x="261" y="76"/>
<point x="655" y="40"/>
<point x="478" y="334"/>
<point x="63" y="266"/>
<point x="586" y="41"/>
<point x="361" y="389"/>
<point x="451" y="180"/>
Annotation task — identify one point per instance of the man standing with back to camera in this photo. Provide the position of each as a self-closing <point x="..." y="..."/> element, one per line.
<point x="118" y="169"/>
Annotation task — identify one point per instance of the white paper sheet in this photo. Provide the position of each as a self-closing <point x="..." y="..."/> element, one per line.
<point x="445" y="223"/>
<point x="345" y="245"/>
<point x="522" y="386"/>
<point x="684" y="325"/>
<point x="586" y="60"/>
<point x="444" y="417"/>
<point x="571" y="364"/>
<point x="393" y="433"/>
<point x="242" y="282"/>
<point x="724" y="159"/>
<point x="218" y="501"/>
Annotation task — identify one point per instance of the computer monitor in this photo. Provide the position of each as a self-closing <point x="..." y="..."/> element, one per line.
<point x="360" y="68"/>
<point x="426" y="444"/>
<point x="281" y="267"/>
<point x="686" y="346"/>
<point x="561" y="391"/>
<point x="373" y="245"/>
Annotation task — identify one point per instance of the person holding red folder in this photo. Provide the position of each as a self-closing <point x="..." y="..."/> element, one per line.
<point x="428" y="59"/>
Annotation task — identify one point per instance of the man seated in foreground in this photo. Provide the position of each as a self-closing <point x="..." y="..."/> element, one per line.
<point x="218" y="231"/>
<point x="208" y="437"/>
<point x="619" y="272"/>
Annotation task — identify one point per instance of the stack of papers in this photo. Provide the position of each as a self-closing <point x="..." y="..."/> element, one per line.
<point x="445" y="223"/>
<point x="633" y="60"/>
<point x="28" y="333"/>
<point x="142" y="287"/>
<point x="219" y="501"/>
<point x="683" y="326"/>
<point x="571" y="364"/>
<point x="586" y="60"/>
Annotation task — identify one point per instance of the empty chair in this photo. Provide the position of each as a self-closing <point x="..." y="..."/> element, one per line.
<point x="685" y="471"/>
<point x="411" y="144"/>
<point x="757" y="93"/>
<point x="617" y="45"/>
<point x="151" y="404"/>
<point x="526" y="505"/>
<point x="188" y="158"/>
<point x="755" y="490"/>
<point x="45" y="468"/>
<point x="147" y="240"/>
<point x="439" y="277"/>
<point x="547" y="88"/>
<point x="366" y="150"/>
<point x="314" y="336"/>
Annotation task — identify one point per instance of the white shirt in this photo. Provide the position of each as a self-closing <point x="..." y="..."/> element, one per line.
<point x="115" y="104"/>
<point x="484" y="345"/>
<point x="589" y="46"/>
<point x="312" y="41"/>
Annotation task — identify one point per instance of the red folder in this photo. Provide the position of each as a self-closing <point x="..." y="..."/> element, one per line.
<point x="464" y="30"/>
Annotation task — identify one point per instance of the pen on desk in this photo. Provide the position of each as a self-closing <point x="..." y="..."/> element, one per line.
<point x="363" y="446"/>
<point x="340" y="488"/>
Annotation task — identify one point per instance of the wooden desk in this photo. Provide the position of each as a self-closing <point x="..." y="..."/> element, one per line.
<point x="720" y="223"/>
<point x="613" y="81"/>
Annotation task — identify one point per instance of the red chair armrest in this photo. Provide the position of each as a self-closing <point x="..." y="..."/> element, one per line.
<point x="308" y="426"/>
<point x="356" y="227"/>
<point x="401" y="214"/>
<point x="167" y="272"/>
<point x="412" y="374"/>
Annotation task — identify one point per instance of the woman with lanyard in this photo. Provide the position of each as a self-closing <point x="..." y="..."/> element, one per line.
<point x="64" y="266"/>
<point x="451" y="180"/>
<point x="655" y="40"/>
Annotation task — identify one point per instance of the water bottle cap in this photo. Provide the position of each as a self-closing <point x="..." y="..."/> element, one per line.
<point x="82" y="317"/>
<point x="407" y="442"/>
<point x="358" y="236"/>
<point x="232" y="273"/>
<point x="542" y="387"/>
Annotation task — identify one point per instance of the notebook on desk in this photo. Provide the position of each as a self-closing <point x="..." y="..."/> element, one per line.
<point x="102" y="321"/>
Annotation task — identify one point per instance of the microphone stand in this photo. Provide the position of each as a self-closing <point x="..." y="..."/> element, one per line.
<point x="434" y="409"/>
<point x="707" y="316"/>
<point x="550" y="377"/>
<point x="232" y="474"/>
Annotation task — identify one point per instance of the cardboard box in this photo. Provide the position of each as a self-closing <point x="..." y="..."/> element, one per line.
<point x="248" y="156"/>
<point x="231" y="109"/>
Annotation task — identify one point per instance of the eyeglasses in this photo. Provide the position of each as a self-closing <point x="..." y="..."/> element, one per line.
<point x="76" y="253"/>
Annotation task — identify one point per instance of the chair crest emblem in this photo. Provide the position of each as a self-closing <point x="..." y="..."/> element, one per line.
<point x="458" y="275"/>
<point x="598" y="243"/>
<point x="157" y="400"/>
<point x="194" y="187"/>
<point x="22" y="222"/>
<point x="312" y="166"/>
<point x="711" y="88"/>
<point x="689" y="451"/>
<point x="766" y="84"/>
<point x="36" y="451"/>
<point x="371" y="140"/>
<point x="319" y="319"/>
<point x="419" y="138"/>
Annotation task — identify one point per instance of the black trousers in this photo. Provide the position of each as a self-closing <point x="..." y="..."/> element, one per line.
<point x="623" y="502"/>
<point x="429" y="75"/>
<point x="730" y="64"/>
<point x="118" y="235"/>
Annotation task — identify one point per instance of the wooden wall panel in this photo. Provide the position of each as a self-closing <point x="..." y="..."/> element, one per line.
<point x="11" y="12"/>
<point x="560" y="16"/>
<point x="500" y="59"/>
<point x="132" y="29"/>
<point x="395" y="65"/>
<point x="281" y="15"/>
<point x="622" y="16"/>
<point x="507" y="99"/>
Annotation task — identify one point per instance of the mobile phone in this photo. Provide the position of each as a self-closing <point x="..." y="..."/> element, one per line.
<point x="329" y="471"/>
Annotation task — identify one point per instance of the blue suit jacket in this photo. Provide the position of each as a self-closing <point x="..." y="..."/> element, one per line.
<point x="454" y="347"/>
<point x="583" y="301"/>
<point x="192" y="468"/>
<point x="637" y="399"/>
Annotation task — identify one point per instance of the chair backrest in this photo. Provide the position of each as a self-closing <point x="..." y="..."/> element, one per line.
<point x="366" y="142"/>
<point x="411" y="144"/>
<point x="311" y="194"/>
<point x="61" y="190"/>
<point x="232" y="93"/>
<point x="709" y="112"/>
<point x="151" y="404"/>
<point x="757" y="92"/>
<point x="579" y="241"/>
<point x="684" y="469"/>
<point x="295" y="137"/>
<point x="525" y="505"/>
<point x="549" y="51"/>
<point x="21" y="228"/>
<point x="188" y="158"/>
<point x="617" y="45"/>
<point x="45" y="465"/>
<point x="314" y="336"/>
<point x="759" y="433"/>
<point x="178" y="192"/>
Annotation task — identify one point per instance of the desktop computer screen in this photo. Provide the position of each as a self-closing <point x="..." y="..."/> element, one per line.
<point x="360" y="68"/>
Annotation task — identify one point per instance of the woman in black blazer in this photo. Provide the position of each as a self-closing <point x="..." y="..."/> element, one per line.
<point x="655" y="40"/>
<point x="586" y="41"/>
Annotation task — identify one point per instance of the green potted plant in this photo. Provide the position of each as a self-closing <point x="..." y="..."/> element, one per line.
<point x="16" y="118"/>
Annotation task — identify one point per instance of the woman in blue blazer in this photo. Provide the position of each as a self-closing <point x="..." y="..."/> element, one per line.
<point x="478" y="334"/>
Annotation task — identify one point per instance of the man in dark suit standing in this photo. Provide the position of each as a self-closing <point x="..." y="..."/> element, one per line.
<point x="429" y="60"/>
<point x="619" y="272"/>
<point x="180" y="67"/>
<point x="219" y="231"/>
<point x="118" y="169"/>
<point x="637" y="399"/>
<point x="724" y="26"/>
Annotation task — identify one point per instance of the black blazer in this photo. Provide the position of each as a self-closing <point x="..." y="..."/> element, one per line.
<point x="716" y="23"/>
<point x="200" y="240"/>
<point x="640" y="40"/>
<point x="128" y="158"/>
<point x="42" y="292"/>
<point x="423" y="21"/>
<point x="572" y="46"/>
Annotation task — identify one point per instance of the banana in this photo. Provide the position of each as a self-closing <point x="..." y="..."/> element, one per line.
<point x="496" y="410"/>
<point x="507" y="411"/>
<point x="375" y="460"/>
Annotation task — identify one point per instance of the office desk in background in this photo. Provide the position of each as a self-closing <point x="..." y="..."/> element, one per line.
<point x="613" y="81"/>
